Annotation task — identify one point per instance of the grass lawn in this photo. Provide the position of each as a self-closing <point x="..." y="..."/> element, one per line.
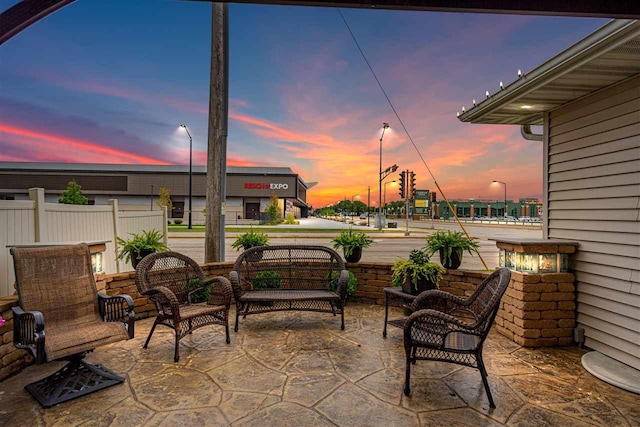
<point x="269" y="229"/>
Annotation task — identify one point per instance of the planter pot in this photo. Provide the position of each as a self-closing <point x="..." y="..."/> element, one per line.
<point x="423" y="285"/>
<point x="355" y="256"/>
<point x="454" y="261"/>
<point x="135" y="260"/>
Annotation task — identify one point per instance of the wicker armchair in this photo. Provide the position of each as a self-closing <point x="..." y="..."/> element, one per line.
<point x="447" y="328"/>
<point x="58" y="301"/>
<point x="171" y="280"/>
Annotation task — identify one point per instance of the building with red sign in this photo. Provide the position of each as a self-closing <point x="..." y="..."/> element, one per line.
<point x="137" y="186"/>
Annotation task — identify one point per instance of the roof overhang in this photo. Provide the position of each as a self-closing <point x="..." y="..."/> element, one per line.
<point x="607" y="56"/>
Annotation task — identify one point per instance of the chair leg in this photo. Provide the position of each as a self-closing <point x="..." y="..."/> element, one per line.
<point x="342" y="317"/>
<point x="407" y="379"/>
<point x="226" y="329"/>
<point x="386" y="314"/>
<point x="153" y="328"/>
<point x="176" y="356"/>
<point x="235" y="328"/>
<point x="485" y="381"/>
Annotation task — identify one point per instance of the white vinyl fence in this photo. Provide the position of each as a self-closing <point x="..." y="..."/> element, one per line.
<point x="30" y="221"/>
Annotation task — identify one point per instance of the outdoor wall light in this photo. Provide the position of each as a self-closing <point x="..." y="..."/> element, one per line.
<point x="535" y="255"/>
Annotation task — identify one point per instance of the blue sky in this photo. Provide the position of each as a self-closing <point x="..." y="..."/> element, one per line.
<point x="110" y="82"/>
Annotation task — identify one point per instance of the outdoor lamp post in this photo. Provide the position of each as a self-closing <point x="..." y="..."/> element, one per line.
<point x="190" y="170"/>
<point x="504" y="215"/>
<point x="385" y="126"/>
<point x="385" y="195"/>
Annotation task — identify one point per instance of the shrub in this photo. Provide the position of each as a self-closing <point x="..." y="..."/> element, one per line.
<point x="73" y="195"/>
<point x="268" y="279"/>
<point x="291" y="219"/>
<point x="177" y="221"/>
<point x="199" y="295"/>
<point x="352" y="282"/>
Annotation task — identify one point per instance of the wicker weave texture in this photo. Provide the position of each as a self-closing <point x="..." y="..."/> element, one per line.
<point x="447" y="328"/>
<point x="169" y="279"/>
<point x="297" y="277"/>
<point x="58" y="282"/>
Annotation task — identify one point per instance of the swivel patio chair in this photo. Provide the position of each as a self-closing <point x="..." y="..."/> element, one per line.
<point x="172" y="281"/>
<point x="447" y="328"/>
<point x="62" y="316"/>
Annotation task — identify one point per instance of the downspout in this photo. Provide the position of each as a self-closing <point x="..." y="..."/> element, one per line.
<point x="525" y="131"/>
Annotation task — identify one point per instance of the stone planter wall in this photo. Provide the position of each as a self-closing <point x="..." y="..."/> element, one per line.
<point x="538" y="310"/>
<point x="12" y="359"/>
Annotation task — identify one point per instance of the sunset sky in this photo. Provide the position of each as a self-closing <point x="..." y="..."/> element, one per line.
<point x="111" y="81"/>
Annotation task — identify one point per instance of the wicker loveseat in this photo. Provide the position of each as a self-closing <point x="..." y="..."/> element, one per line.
<point x="289" y="277"/>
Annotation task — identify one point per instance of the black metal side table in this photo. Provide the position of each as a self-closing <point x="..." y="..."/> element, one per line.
<point x="395" y="293"/>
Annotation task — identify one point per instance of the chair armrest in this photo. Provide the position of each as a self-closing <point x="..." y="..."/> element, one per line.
<point x="28" y="332"/>
<point x="435" y="324"/>
<point x="234" y="278"/>
<point x="117" y="308"/>
<point x="222" y="291"/>
<point x="437" y="300"/>
<point x="343" y="283"/>
<point x="165" y="300"/>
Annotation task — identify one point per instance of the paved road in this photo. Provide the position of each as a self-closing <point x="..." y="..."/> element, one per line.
<point x="387" y="247"/>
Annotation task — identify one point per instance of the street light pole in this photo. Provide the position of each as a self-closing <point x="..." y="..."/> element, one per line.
<point x="385" y="126"/>
<point x="190" y="172"/>
<point x="504" y="214"/>
<point x="368" y="203"/>
<point x="385" y="196"/>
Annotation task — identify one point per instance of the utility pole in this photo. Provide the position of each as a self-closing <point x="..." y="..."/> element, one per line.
<point x="217" y="138"/>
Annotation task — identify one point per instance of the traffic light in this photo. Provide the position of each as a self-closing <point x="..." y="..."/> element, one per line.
<point x="433" y="196"/>
<point x="411" y="184"/>
<point x="402" y="185"/>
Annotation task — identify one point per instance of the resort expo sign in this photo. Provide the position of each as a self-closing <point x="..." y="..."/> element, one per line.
<point x="265" y="186"/>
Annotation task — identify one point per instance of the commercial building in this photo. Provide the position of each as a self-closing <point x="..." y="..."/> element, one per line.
<point x="530" y="207"/>
<point x="136" y="187"/>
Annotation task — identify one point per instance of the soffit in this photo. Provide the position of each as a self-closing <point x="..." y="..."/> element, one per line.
<point x="607" y="56"/>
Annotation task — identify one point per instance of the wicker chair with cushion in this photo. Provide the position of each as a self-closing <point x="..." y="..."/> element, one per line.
<point x="447" y="328"/>
<point x="173" y="282"/>
<point x="61" y="316"/>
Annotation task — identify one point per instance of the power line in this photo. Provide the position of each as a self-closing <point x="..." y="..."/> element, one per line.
<point x="455" y="214"/>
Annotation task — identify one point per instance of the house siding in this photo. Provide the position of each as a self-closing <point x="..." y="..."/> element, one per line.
<point x="592" y="155"/>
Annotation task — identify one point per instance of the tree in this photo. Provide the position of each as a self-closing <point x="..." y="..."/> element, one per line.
<point x="164" y="199"/>
<point x="273" y="209"/>
<point x="73" y="195"/>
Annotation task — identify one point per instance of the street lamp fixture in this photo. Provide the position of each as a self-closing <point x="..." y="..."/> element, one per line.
<point x="190" y="171"/>
<point x="504" y="215"/>
<point x="385" y="195"/>
<point x="385" y="126"/>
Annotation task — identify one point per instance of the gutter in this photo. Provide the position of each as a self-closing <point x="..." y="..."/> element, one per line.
<point x="525" y="131"/>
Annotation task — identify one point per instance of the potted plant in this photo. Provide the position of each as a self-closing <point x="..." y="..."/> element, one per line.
<point x="450" y="245"/>
<point x="139" y="246"/>
<point x="416" y="274"/>
<point x="352" y="243"/>
<point x="250" y="239"/>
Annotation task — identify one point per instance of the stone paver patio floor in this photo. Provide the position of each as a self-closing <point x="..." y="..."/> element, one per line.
<point x="299" y="369"/>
